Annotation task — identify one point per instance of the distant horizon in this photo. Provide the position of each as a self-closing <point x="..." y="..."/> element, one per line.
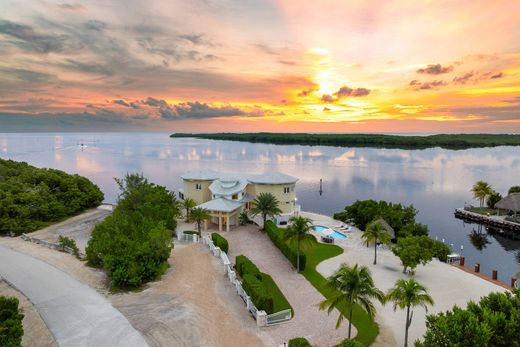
<point x="276" y="65"/>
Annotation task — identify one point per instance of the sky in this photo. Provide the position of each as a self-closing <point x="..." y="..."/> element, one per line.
<point x="241" y="65"/>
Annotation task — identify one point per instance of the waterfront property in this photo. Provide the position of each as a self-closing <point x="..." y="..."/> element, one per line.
<point x="226" y="195"/>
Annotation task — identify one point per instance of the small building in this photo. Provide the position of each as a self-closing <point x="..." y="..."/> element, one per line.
<point x="226" y="195"/>
<point x="510" y="203"/>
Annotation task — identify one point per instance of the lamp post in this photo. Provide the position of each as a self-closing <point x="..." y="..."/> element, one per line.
<point x="294" y="205"/>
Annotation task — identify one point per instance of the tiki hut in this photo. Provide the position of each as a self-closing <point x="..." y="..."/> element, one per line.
<point x="386" y="226"/>
<point x="510" y="203"/>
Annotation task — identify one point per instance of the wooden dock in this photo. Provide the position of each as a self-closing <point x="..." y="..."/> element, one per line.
<point x="508" y="228"/>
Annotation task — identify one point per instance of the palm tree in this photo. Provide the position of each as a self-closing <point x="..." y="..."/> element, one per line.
<point x="354" y="285"/>
<point x="297" y="231"/>
<point x="408" y="294"/>
<point x="199" y="215"/>
<point x="375" y="231"/>
<point x="188" y="205"/>
<point x="481" y="190"/>
<point x="267" y="205"/>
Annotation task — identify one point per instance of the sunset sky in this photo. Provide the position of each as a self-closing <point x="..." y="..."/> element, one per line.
<point x="244" y="65"/>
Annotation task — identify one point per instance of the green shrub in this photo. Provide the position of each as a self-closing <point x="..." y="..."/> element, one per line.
<point x="191" y="232"/>
<point x="258" y="293"/>
<point x="245" y="266"/>
<point x="441" y="250"/>
<point x="11" y="328"/>
<point x="277" y="237"/>
<point x="68" y="242"/>
<point x="299" y="342"/>
<point x="220" y="242"/>
<point x="350" y="343"/>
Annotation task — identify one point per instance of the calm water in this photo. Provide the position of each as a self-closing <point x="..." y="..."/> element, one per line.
<point x="435" y="181"/>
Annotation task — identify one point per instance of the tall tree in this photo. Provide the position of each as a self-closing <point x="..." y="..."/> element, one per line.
<point x="354" y="284"/>
<point x="481" y="190"/>
<point x="267" y="205"/>
<point x="376" y="232"/>
<point x="297" y="231"/>
<point x="199" y="215"/>
<point x="408" y="294"/>
<point x="188" y="204"/>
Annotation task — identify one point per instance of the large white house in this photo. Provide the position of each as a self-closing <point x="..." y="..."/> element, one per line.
<point x="226" y="195"/>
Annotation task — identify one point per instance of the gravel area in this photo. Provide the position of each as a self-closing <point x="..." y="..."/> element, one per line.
<point x="318" y="327"/>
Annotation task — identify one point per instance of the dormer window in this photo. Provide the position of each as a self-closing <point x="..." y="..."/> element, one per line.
<point x="198" y="186"/>
<point x="235" y="197"/>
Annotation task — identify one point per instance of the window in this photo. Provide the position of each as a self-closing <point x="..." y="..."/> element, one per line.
<point x="235" y="197"/>
<point x="286" y="190"/>
<point x="198" y="186"/>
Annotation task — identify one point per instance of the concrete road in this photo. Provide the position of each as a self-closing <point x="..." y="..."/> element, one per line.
<point x="76" y="314"/>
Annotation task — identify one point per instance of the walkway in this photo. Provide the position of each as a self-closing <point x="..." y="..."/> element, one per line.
<point x="318" y="327"/>
<point x="76" y="314"/>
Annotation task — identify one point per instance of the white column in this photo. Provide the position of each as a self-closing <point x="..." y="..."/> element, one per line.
<point x="220" y="221"/>
<point x="227" y="221"/>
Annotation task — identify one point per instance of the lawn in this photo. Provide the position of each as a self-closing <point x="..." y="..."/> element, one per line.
<point x="486" y="211"/>
<point x="280" y="302"/>
<point x="318" y="252"/>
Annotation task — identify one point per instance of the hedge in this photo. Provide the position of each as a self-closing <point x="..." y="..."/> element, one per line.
<point x="350" y="343"/>
<point x="11" y="327"/>
<point x="190" y="232"/>
<point x="220" y="242"/>
<point x="245" y="266"/>
<point x="299" y="342"/>
<point x="258" y="293"/>
<point x="291" y="253"/>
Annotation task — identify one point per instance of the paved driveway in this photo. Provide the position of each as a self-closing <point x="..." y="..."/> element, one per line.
<point x="318" y="327"/>
<point x="76" y="314"/>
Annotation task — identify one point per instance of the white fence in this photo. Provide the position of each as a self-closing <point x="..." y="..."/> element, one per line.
<point x="181" y="236"/>
<point x="262" y="319"/>
<point x="51" y="245"/>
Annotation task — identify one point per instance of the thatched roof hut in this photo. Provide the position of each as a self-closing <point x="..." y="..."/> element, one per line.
<point x="510" y="202"/>
<point x="386" y="226"/>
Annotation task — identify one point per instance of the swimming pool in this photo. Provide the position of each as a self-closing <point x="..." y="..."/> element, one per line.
<point x="336" y="235"/>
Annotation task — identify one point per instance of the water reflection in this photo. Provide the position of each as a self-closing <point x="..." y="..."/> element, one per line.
<point x="435" y="181"/>
<point x="478" y="238"/>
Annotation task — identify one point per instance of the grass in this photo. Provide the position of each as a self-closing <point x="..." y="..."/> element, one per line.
<point x="280" y="302"/>
<point x="318" y="252"/>
<point x="486" y="210"/>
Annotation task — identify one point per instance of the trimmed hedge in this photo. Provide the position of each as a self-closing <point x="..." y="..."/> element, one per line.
<point x="291" y="253"/>
<point x="299" y="342"/>
<point x="11" y="327"/>
<point x="350" y="343"/>
<point x="245" y="266"/>
<point x="262" y="299"/>
<point x="191" y="232"/>
<point x="220" y="242"/>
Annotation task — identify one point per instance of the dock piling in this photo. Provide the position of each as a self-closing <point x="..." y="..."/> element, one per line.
<point x="477" y="267"/>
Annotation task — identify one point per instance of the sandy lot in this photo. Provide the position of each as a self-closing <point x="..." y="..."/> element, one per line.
<point x="36" y="332"/>
<point x="447" y="285"/>
<point x="78" y="228"/>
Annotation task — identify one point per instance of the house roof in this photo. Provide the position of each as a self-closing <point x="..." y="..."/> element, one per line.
<point x="386" y="226"/>
<point x="272" y="178"/>
<point x="510" y="202"/>
<point x="228" y="185"/>
<point x="201" y="175"/>
<point x="221" y="205"/>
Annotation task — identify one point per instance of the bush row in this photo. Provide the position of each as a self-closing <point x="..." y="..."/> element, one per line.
<point x="11" y="328"/>
<point x="258" y="293"/>
<point x="220" y="242"/>
<point x="244" y="266"/>
<point x="299" y="342"/>
<point x="277" y="237"/>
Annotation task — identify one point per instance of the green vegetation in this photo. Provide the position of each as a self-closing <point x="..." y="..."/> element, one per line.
<point x="376" y="232"/>
<point x="199" y="215"/>
<point x="299" y="342"/>
<point x="267" y="205"/>
<point x="280" y="240"/>
<point x="32" y="198"/>
<point x="515" y="219"/>
<point x="134" y="244"/>
<point x="11" y="328"/>
<point x="414" y="251"/>
<point x="350" y="343"/>
<point x="353" y="285"/>
<point x="297" y="232"/>
<point x="260" y="287"/>
<point x="220" y="242"/>
<point x="243" y="219"/>
<point x="481" y="191"/>
<point x="493" y="321"/>
<point x="188" y="204"/>
<point x="486" y="211"/>
<point x="406" y="294"/>
<point x="449" y="141"/>
<point x="363" y="212"/>
<point x="514" y="189"/>
<point x="315" y="253"/>
<point x="65" y="241"/>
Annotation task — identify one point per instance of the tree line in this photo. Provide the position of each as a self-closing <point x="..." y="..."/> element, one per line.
<point x="31" y="198"/>
<point x="134" y="243"/>
<point x="449" y="141"/>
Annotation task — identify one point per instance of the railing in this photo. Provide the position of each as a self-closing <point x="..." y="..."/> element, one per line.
<point x="181" y="236"/>
<point x="279" y="317"/>
<point x="51" y="245"/>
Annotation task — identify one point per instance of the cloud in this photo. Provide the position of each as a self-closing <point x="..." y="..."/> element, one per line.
<point x="72" y="7"/>
<point x="326" y="109"/>
<point x="193" y="109"/>
<point x="463" y="79"/>
<point x="435" y="69"/>
<point x="345" y="91"/>
<point x="87" y="67"/>
<point x="417" y="85"/>
<point x="497" y="75"/>
<point x="27" y="75"/>
<point x="121" y="102"/>
<point x="31" y="41"/>
<point x="306" y="92"/>
<point x="327" y="98"/>
<point x="95" y="24"/>
<point x="475" y="77"/>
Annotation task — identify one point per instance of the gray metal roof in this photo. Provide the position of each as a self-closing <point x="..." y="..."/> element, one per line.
<point x="228" y="185"/>
<point x="272" y="178"/>
<point x="221" y="205"/>
<point x="510" y="202"/>
<point x="201" y="175"/>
